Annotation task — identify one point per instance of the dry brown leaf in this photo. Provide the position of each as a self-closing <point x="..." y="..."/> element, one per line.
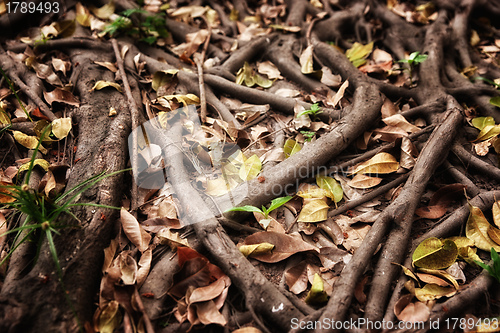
<point x="340" y="93"/>
<point x="296" y="278"/>
<point x="315" y="210"/>
<point x="364" y="181"/>
<point x="284" y="245"/>
<point x="430" y="292"/>
<point x="134" y="231"/>
<point x="389" y="133"/>
<point x="408" y="153"/>
<point x="405" y="310"/>
<point x="496" y="213"/>
<point x="353" y="234"/>
<point x="399" y="121"/>
<point x="306" y="60"/>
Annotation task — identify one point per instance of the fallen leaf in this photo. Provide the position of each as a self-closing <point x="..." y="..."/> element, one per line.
<point x="380" y="163"/>
<point x="408" y="153"/>
<point x="496" y="213"/>
<point x="104" y="84"/>
<point x="363" y="181"/>
<point x="250" y="168"/>
<point x="284" y="245"/>
<point x="172" y="239"/>
<point x="447" y="278"/>
<point x="109" y="318"/>
<point x="482" y="122"/>
<point x="82" y="15"/>
<point x="61" y="96"/>
<point x="30" y="142"/>
<point x="315" y="210"/>
<point x="105" y="11"/>
<point x="340" y="93"/>
<point x="494" y="234"/>
<point x="488" y="132"/>
<point x="476" y="230"/>
<point x="389" y="133"/>
<point x="332" y="186"/>
<point x="269" y="69"/>
<point x="430" y="292"/>
<point x="407" y="311"/>
<point x="440" y="201"/>
<point x="247" y="76"/>
<point x="134" y="231"/>
<point x="256" y="249"/>
<point x="291" y="147"/>
<point x="306" y="60"/>
<point x="296" y="278"/>
<point x="399" y="121"/>
<point x="38" y="161"/>
<point x="353" y="233"/>
<point x="358" y="53"/>
<point x="61" y="127"/>
<point x="317" y="294"/>
<point x="433" y="253"/>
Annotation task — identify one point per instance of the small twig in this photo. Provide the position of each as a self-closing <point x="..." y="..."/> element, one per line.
<point x="199" y="59"/>
<point x="369" y="196"/>
<point x="134" y="113"/>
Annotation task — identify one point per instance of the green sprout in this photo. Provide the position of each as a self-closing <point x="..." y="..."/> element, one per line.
<point x="314" y="111"/>
<point x="41" y="215"/>
<point x="276" y="203"/>
<point x="494" y="269"/>
<point x="308" y="135"/>
<point x="148" y="30"/>
<point x="413" y="60"/>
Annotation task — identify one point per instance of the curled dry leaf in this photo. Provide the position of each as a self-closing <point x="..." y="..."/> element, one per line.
<point x="317" y="294"/>
<point x="144" y="266"/>
<point x="269" y="69"/>
<point x="340" y="93"/>
<point x="284" y="245"/>
<point x="256" y="249"/>
<point x="389" y="133"/>
<point x="431" y="292"/>
<point x="448" y="279"/>
<point x="399" y="121"/>
<point x="61" y="96"/>
<point x="172" y="239"/>
<point x="28" y="141"/>
<point x="408" y="153"/>
<point x="476" y="230"/>
<point x="363" y="181"/>
<point x="108" y="318"/>
<point x="134" y="231"/>
<point x="250" y="168"/>
<point x="353" y="234"/>
<point x="496" y="213"/>
<point x="104" y="84"/>
<point x="306" y="60"/>
<point x="380" y="163"/>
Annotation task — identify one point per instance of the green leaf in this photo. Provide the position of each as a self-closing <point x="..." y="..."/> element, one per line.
<point x="247" y="208"/>
<point x="332" y="186"/>
<point x="495" y="101"/>
<point x="493" y="270"/>
<point x="291" y="147"/>
<point x="482" y="122"/>
<point x="278" y="202"/>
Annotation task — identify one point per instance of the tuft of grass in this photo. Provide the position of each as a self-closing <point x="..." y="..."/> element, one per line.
<point x="494" y="269"/>
<point x="42" y="215"/>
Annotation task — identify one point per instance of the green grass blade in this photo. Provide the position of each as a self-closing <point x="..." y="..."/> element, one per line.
<point x="15" y="247"/>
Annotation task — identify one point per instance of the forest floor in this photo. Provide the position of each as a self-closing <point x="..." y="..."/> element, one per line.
<point x="250" y="166"/>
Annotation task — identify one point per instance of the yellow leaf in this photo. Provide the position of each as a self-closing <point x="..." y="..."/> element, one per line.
<point x="105" y="11"/>
<point x="482" y="122"/>
<point x="442" y="274"/>
<point x="380" y="163"/>
<point x="82" y="15"/>
<point x="40" y="162"/>
<point x="332" y="186"/>
<point x="109" y="318"/>
<point x="317" y="294"/>
<point x="61" y="127"/>
<point x="432" y="291"/>
<point x="358" y="53"/>
<point x="291" y="147"/>
<point x="488" y="132"/>
<point x="103" y="84"/>
<point x="476" y="230"/>
<point x="250" y="168"/>
<point x="256" y="249"/>
<point x="28" y="141"/>
<point x="306" y="60"/>
<point x="163" y="77"/>
<point x="494" y="234"/>
<point x="433" y="253"/>
<point x="314" y="211"/>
